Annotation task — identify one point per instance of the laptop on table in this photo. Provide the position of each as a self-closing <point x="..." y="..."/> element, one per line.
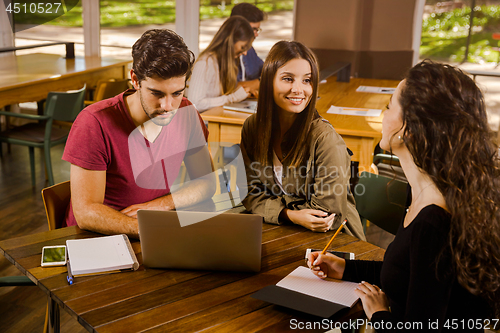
<point x="200" y="240"/>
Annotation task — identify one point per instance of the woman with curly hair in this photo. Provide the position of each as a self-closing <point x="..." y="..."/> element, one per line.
<point x="443" y="266"/>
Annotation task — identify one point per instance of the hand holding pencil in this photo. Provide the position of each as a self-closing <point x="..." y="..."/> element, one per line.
<point x="325" y="264"/>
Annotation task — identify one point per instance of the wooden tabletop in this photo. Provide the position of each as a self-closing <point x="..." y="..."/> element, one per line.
<point x="221" y="115"/>
<point x="331" y="93"/>
<point x="345" y="94"/>
<point x="170" y="300"/>
<point x="30" y="77"/>
<point x="361" y="134"/>
<point x="19" y="70"/>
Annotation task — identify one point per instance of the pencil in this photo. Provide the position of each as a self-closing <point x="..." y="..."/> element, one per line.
<point x="335" y="235"/>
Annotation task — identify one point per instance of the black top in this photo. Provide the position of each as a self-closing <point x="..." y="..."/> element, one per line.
<point x="417" y="277"/>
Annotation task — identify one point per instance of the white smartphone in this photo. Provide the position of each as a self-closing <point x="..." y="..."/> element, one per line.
<point x="54" y="255"/>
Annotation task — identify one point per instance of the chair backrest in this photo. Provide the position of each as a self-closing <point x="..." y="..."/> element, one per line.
<point x="56" y="200"/>
<point x="65" y="106"/>
<point x="381" y="200"/>
<point x="388" y="165"/>
<point x="110" y="88"/>
<point x="222" y="159"/>
<point x="386" y="158"/>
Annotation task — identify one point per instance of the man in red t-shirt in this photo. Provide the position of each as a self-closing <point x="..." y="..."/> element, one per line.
<point x="126" y="151"/>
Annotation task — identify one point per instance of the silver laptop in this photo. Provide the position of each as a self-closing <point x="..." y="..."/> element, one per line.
<point x="207" y="241"/>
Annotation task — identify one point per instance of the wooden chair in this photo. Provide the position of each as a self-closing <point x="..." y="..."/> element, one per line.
<point x="108" y="88"/>
<point x="56" y="199"/>
<point x="222" y="158"/>
<point x="381" y="200"/>
<point x="61" y="106"/>
<point x="388" y="165"/>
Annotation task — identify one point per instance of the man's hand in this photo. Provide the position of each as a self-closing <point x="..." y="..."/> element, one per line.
<point x="312" y="219"/>
<point x="165" y="203"/>
<point x="132" y="210"/>
<point x="372" y="297"/>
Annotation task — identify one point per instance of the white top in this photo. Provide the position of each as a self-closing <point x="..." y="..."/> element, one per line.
<point x="205" y="90"/>
<point x="242" y="66"/>
<point x="278" y="172"/>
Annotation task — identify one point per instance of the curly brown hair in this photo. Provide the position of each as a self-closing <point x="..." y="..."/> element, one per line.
<point x="161" y="53"/>
<point x="447" y="133"/>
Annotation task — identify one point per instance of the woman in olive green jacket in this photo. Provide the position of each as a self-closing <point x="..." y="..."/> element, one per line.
<point x="297" y="166"/>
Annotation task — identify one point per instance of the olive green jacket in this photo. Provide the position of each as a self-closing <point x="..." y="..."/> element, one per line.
<point x="322" y="183"/>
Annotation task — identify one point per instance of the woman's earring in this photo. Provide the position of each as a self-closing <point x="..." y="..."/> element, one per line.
<point x="400" y="138"/>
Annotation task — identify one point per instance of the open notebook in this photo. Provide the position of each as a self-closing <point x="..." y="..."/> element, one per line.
<point x="101" y="255"/>
<point x="249" y="106"/>
<point x="303" y="291"/>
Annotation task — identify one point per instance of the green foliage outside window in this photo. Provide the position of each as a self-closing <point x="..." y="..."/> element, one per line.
<point x="122" y="13"/>
<point x="444" y="35"/>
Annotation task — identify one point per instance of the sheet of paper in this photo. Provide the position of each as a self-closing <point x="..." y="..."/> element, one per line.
<point x="354" y="111"/>
<point x="376" y="90"/>
<point x="302" y="280"/>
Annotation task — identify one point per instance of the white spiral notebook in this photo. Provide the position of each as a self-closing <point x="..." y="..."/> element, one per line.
<point x="101" y="255"/>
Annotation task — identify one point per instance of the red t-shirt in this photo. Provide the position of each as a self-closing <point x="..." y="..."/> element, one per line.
<point x="103" y="137"/>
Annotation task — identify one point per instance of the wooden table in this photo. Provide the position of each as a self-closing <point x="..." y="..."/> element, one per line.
<point x="361" y="134"/>
<point x="30" y="77"/>
<point x="178" y="300"/>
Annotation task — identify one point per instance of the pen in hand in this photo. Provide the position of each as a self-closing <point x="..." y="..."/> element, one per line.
<point x="331" y="240"/>
<point x="70" y="276"/>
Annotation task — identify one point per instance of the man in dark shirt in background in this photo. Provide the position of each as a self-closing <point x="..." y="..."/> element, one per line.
<point x="250" y="65"/>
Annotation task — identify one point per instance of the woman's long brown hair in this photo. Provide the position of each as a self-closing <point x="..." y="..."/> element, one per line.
<point x="447" y="133"/>
<point x="234" y="29"/>
<point x="267" y="113"/>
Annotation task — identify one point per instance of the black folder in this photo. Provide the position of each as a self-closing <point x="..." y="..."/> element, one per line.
<point x="298" y="301"/>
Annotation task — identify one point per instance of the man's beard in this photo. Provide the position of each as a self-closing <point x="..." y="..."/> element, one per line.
<point x="160" y="121"/>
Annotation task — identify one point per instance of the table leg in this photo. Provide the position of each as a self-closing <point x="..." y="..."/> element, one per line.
<point x="7" y="125"/>
<point x="54" y="318"/>
<point x="213" y="134"/>
<point x="366" y="154"/>
<point x="39" y="107"/>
